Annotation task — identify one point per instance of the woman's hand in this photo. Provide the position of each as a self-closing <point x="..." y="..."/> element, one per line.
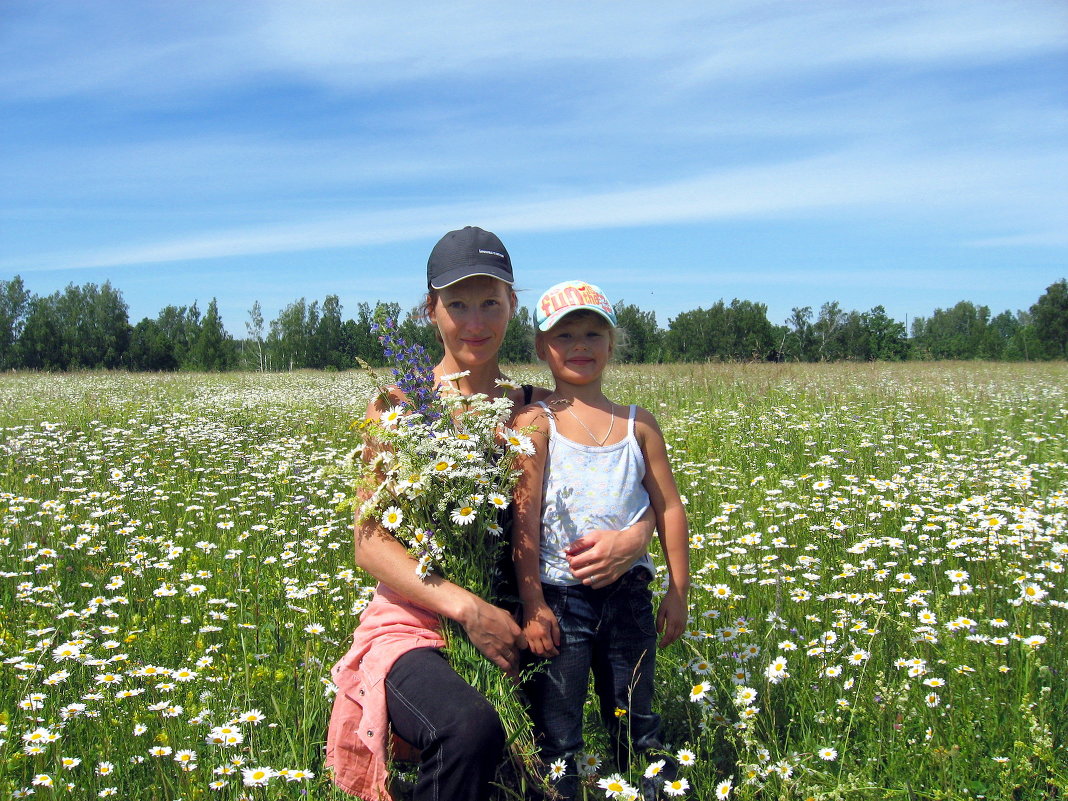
<point x="493" y="632"/>
<point x="542" y="630"/>
<point x="491" y="629"/>
<point x="598" y="558"/>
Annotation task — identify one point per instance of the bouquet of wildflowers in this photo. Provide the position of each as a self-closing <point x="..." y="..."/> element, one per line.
<point x="441" y="476"/>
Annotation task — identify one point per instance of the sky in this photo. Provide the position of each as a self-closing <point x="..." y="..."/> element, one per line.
<point x="904" y="154"/>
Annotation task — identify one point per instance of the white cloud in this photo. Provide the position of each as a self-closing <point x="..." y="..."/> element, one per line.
<point x="149" y="49"/>
<point x="172" y="140"/>
<point x="855" y="184"/>
<point x="1053" y="237"/>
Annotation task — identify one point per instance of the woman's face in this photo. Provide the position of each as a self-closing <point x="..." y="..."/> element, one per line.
<point x="472" y="316"/>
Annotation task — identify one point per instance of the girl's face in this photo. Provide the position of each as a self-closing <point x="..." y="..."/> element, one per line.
<point x="472" y="316"/>
<point x="577" y="348"/>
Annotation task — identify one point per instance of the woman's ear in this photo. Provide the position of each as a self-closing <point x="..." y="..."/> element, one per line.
<point x="430" y="308"/>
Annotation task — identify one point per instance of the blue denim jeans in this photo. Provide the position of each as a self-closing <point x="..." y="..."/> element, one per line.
<point x="457" y="731"/>
<point x="610" y="632"/>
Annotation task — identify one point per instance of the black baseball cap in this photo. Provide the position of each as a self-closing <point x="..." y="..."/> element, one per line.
<point x="467" y="252"/>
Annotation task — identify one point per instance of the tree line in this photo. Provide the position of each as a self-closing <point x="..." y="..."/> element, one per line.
<point x="88" y="327"/>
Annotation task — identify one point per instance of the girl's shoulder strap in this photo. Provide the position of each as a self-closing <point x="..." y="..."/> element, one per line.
<point x="551" y="417"/>
<point x="632" y="415"/>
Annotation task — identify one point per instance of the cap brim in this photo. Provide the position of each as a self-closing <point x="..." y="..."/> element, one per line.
<point x="556" y="317"/>
<point x="460" y="273"/>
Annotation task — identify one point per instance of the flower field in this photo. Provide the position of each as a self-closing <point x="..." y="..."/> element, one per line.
<point x="878" y="602"/>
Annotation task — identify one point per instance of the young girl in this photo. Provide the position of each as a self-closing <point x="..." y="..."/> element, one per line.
<point x="597" y="465"/>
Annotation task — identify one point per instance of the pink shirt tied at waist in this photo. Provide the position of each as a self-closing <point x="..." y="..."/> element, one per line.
<point x="358" y="743"/>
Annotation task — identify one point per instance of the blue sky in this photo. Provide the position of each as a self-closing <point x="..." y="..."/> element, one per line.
<point x="909" y="154"/>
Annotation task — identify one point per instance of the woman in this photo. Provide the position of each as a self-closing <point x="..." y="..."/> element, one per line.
<point x="394" y="680"/>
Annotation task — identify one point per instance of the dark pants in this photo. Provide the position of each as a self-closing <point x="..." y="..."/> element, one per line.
<point x="457" y="731"/>
<point x="610" y="632"/>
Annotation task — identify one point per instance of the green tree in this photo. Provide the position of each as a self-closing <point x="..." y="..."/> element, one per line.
<point x="1020" y="343"/>
<point x="254" y="327"/>
<point x="827" y="331"/>
<point x="40" y="346"/>
<point x="14" y="306"/>
<point x="887" y="338"/>
<point x="518" y="345"/>
<point x="95" y="326"/>
<point x="749" y="332"/>
<point x="697" y="335"/>
<point x="290" y="335"/>
<point x="81" y="327"/>
<point x="1049" y="317"/>
<point x="180" y="326"/>
<point x="799" y="344"/>
<point x="357" y="339"/>
<point x="643" y="339"/>
<point x="956" y="333"/>
<point x="150" y="349"/>
<point x="851" y="339"/>
<point x="213" y="349"/>
<point x="327" y="345"/>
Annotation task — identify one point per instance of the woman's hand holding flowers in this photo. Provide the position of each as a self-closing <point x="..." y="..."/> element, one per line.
<point x="493" y="632"/>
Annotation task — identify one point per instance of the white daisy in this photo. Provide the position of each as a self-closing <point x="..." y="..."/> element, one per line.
<point x="392" y="518"/>
<point x="686" y="757"/>
<point x="463" y="515"/>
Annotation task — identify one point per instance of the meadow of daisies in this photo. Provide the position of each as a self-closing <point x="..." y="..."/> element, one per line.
<point x="878" y="602"/>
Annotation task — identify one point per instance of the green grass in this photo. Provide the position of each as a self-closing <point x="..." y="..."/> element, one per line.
<point x="833" y="509"/>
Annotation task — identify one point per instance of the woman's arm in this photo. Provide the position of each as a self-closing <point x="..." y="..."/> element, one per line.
<point x="671" y="522"/>
<point x="491" y="629"/>
<point x="598" y="558"/>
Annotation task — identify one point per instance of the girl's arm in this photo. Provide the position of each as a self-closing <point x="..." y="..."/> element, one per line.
<point x="540" y="626"/>
<point x="491" y="629"/>
<point x="671" y="523"/>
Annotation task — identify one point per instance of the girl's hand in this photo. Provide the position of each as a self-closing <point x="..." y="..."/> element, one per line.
<point x="671" y="618"/>
<point x="542" y="631"/>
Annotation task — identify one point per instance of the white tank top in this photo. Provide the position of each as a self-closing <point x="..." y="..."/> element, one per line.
<point x="585" y="488"/>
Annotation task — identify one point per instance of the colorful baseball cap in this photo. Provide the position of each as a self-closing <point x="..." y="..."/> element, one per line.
<point x="467" y="252"/>
<point x="570" y="296"/>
